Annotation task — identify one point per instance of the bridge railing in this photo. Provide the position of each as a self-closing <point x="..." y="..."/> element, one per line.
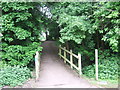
<point x="79" y="67"/>
<point x="71" y="54"/>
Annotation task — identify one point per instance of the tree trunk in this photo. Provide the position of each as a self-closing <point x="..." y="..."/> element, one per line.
<point x="98" y="39"/>
<point x="67" y="45"/>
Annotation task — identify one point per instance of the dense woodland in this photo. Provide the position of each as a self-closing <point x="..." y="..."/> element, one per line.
<point x="80" y="26"/>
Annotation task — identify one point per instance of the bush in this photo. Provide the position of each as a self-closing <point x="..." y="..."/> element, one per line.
<point x="108" y="67"/>
<point x="20" y="31"/>
<point x="12" y="76"/>
<point x="20" y="55"/>
<point x="2" y="64"/>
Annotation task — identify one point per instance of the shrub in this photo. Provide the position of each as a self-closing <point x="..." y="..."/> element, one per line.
<point x="20" y="55"/>
<point x="12" y="76"/>
<point x="2" y="64"/>
<point x="108" y="67"/>
<point x="20" y="31"/>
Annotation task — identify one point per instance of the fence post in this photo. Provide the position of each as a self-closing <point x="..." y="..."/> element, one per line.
<point x="64" y="55"/>
<point x="96" y="63"/>
<point x="71" y="59"/>
<point x="79" y="64"/>
<point x="60" y="51"/>
<point x="37" y="64"/>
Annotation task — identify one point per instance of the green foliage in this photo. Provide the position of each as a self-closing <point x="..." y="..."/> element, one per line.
<point x="77" y="21"/>
<point x="107" y="22"/>
<point x="20" y="55"/>
<point x="85" y="26"/>
<point x="107" y="67"/>
<point x="20" y="32"/>
<point x="12" y="76"/>
<point x="53" y="30"/>
<point x="75" y="28"/>
<point x="73" y="24"/>
<point x="2" y="64"/>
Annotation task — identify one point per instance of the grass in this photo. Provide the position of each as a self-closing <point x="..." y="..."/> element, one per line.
<point x="102" y="83"/>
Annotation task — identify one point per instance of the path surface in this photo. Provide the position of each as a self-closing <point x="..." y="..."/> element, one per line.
<point x="54" y="73"/>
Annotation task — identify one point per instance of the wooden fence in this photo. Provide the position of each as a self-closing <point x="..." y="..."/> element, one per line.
<point x="64" y="56"/>
<point x="79" y="67"/>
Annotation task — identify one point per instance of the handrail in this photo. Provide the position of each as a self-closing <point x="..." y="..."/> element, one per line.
<point x="70" y="62"/>
<point x="79" y="67"/>
<point x="69" y="52"/>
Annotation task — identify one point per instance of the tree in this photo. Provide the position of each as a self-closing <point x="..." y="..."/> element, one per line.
<point x="21" y="32"/>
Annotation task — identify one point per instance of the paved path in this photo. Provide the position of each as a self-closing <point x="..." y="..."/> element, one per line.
<point x="54" y="73"/>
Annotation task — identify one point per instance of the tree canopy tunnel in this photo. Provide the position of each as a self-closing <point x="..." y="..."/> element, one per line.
<point x="51" y="27"/>
<point x="85" y="26"/>
<point x="53" y="31"/>
<point x="80" y="26"/>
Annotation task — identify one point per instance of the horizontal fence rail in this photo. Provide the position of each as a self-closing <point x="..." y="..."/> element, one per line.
<point x="64" y="56"/>
<point x="72" y="65"/>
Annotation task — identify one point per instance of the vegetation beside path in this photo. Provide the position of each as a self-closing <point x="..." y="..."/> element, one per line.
<point x="80" y="26"/>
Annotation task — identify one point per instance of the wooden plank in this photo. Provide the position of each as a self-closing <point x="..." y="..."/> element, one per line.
<point x="60" y="51"/>
<point x="69" y="52"/>
<point x="79" y="64"/>
<point x="37" y="65"/>
<point x="64" y="55"/>
<point x="73" y="65"/>
<point x="75" y="55"/>
<point x="71" y="59"/>
<point x="96" y="63"/>
<point x="61" y="56"/>
<point x="65" y="59"/>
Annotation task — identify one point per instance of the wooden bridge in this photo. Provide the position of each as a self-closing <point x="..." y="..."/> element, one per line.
<point x="54" y="73"/>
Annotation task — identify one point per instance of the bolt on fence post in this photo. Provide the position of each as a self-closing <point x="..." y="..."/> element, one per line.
<point x="37" y="65"/>
<point x="71" y="59"/>
<point x="79" y="64"/>
<point x="64" y="55"/>
<point x="96" y="63"/>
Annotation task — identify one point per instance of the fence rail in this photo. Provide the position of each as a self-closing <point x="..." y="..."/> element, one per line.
<point x="64" y="56"/>
<point x="79" y="67"/>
